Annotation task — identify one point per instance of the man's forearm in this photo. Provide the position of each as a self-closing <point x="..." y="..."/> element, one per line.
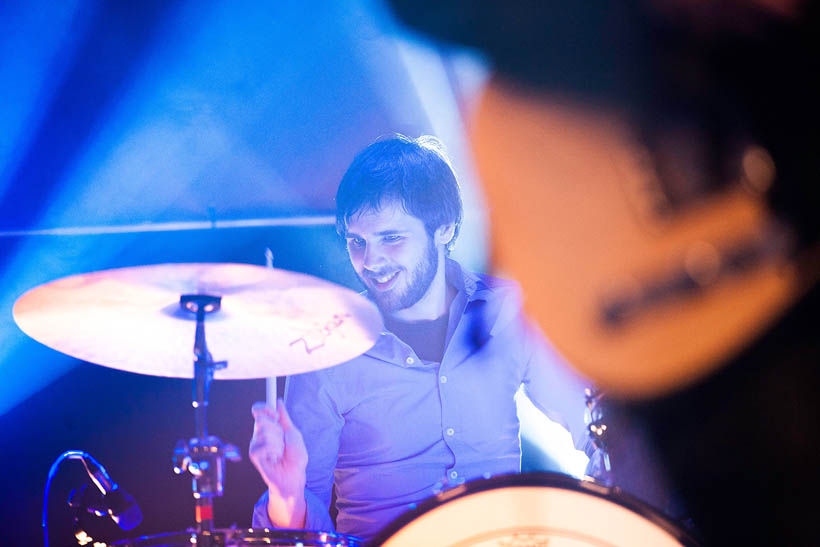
<point x="287" y="511"/>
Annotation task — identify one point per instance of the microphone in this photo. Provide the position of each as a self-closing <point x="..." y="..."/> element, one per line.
<point x="117" y="503"/>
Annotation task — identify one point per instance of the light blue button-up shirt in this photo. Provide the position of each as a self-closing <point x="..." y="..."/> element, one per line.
<point x="391" y="430"/>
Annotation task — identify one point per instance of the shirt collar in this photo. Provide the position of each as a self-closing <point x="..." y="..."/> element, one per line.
<point x="464" y="281"/>
<point x="469" y="287"/>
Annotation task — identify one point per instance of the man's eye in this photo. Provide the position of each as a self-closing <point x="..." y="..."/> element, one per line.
<point x="355" y="243"/>
<point x="392" y="239"/>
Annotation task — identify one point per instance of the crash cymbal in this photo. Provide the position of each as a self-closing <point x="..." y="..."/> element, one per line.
<point x="272" y="322"/>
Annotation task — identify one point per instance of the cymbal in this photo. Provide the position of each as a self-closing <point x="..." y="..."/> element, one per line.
<point x="272" y="322"/>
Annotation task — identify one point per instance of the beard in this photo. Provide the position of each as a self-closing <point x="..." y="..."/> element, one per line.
<point x="418" y="283"/>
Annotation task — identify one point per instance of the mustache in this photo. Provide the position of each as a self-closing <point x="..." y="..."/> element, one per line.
<point x="371" y="274"/>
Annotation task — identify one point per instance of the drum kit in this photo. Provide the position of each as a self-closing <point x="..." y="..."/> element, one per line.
<point x="170" y="320"/>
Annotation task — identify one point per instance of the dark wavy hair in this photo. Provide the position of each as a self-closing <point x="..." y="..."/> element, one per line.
<point x="414" y="172"/>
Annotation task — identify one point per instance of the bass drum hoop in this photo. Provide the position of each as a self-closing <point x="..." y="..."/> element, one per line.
<point x="442" y="519"/>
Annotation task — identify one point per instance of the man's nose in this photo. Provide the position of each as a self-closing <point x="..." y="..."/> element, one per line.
<point x="372" y="258"/>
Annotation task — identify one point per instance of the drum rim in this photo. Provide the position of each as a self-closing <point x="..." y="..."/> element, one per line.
<point x="539" y="478"/>
<point x="283" y="533"/>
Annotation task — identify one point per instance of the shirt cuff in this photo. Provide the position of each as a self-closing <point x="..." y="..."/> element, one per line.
<point x="316" y="518"/>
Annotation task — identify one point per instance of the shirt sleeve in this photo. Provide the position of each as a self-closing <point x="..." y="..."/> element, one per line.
<point x="313" y="407"/>
<point x="553" y="386"/>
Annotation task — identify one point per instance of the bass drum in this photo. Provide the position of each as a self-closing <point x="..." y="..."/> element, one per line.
<point x="533" y="509"/>
<point x="246" y="537"/>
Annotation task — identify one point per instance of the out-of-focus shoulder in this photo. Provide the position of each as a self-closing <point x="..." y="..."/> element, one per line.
<point x="498" y="288"/>
<point x="484" y="281"/>
<point x="504" y="301"/>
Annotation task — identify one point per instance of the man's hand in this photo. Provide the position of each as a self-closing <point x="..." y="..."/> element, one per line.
<point x="278" y="453"/>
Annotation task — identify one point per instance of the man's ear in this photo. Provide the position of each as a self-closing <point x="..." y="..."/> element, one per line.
<point x="444" y="233"/>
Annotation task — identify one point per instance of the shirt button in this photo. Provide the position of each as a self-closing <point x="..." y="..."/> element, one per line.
<point x="409" y="360"/>
<point x="451" y="431"/>
<point x="453" y="474"/>
<point x="443" y="379"/>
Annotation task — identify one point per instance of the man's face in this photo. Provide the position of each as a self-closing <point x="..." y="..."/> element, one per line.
<point x="393" y="254"/>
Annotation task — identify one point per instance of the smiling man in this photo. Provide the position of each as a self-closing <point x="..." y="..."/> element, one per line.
<point x="431" y="405"/>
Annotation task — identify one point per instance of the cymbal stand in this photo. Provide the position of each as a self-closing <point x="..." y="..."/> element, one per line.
<point x="204" y="455"/>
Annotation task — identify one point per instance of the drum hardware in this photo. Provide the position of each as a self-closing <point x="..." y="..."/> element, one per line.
<point x="622" y="460"/>
<point x="204" y="455"/>
<point x="246" y="537"/>
<point x="600" y="466"/>
<point x="272" y="323"/>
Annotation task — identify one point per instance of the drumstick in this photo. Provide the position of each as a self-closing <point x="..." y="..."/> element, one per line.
<point x="275" y="385"/>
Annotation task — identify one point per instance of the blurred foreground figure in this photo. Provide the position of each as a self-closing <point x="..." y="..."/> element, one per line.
<point x="432" y="404"/>
<point x="652" y="173"/>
